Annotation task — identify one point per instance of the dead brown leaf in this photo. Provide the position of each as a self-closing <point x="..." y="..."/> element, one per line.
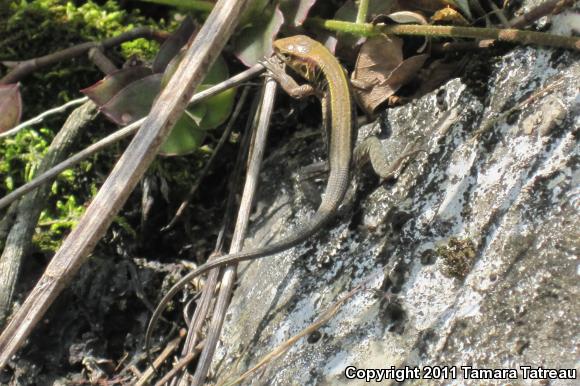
<point x="449" y="16"/>
<point x="10" y="106"/>
<point x="381" y="70"/>
<point x="422" y="5"/>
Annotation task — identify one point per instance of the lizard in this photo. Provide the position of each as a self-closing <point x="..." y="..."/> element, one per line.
<point x="310" y="59"/>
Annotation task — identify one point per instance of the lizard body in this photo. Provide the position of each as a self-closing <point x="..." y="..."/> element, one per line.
<point x="305" y="55"/>
<point x="308" y="58"/>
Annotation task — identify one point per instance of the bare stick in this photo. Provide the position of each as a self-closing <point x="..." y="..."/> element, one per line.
<point x="19" y="239"/>
<point x="6" y="223"/>
<point x="205" y="302"/>
<point x="40" y="117"/>
<point x="168" y="107"/>
<point x="119" y="135"/>
<point x="544" y="9"/>
<point x="229" y="276"/>
<point x="282" y="348"/>
<point x="27" y="67"/>
<point x="549" y="7"/>
<point x="98" y="57"/>
<point x="209" y="289"/>
<point x="167" y="351"/>
<point x="179" y="365"/>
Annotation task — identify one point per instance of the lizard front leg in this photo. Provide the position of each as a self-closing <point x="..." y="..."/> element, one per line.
<point x="288" y="83"/>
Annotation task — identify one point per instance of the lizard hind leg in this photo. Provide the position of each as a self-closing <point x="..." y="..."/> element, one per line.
<point x="370" y="150"/>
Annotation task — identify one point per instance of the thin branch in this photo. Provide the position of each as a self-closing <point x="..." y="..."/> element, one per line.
<point x="27" y="67"/>
<point x="285" y="346"/>
<point x="100" y="60"/>
<point x="498" y="12"/>
<point x="184" y="361"/>
<point x="165" y="353"/>
<point x="6" y="223"/>
<point x="505" y="35"/>
<point x="203" y="308"/>
<point x="19" y="239"/>
<point x="229" y="276"/>
<point x="550" y="7"/>
<point x="547" y="8"/>
<point x="262" y="121"/>
<point x="168" y="107"/>
<point x="40" y="117"/>
<point x="119" y="135"/>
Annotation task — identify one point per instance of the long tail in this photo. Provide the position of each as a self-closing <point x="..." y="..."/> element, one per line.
<point x="320" y="218"/>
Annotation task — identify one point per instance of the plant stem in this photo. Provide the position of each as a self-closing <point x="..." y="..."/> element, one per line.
<point x="363" y="10"/>
<point x="203" y="6"/>
<point x="505" y="35"/>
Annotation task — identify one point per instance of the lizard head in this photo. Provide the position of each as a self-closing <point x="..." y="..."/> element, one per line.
<point x="296" y="51"/>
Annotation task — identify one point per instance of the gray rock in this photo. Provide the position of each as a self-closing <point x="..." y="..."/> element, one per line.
<point x="470" y="257"/>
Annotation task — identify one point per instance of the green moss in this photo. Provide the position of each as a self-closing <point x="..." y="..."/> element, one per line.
<point x="32" y="28"/>
<point x="20" y="155"/>
<point x="458" y="257"/>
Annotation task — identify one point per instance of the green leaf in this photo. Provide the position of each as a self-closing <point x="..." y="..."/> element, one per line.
<point x="134" y="101"/>
<point x="255" y="42"/>
<point x="219" y="108"/>
<point x="102" y="91"/>
<point x="173" y="44"/>
<point x="185" y="137"/>
<point x="295" y="11"/>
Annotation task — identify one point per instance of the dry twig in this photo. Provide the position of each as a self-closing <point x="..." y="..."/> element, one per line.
<point x="168" y="107"/>
<point x="119" y="135"/>
<point x="26" y="67"/>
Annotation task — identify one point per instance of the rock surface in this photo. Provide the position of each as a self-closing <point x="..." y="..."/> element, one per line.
<point x="470" y="257"/>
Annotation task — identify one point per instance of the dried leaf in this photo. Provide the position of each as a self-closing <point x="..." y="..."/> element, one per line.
<point x="377" y="58"/>
<point x="10" y="106"/>
<point x="422" y="5"/>
<point x="407" y="71"/>
<point x="449" y="16"/>
<point x="381" y="70"/>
